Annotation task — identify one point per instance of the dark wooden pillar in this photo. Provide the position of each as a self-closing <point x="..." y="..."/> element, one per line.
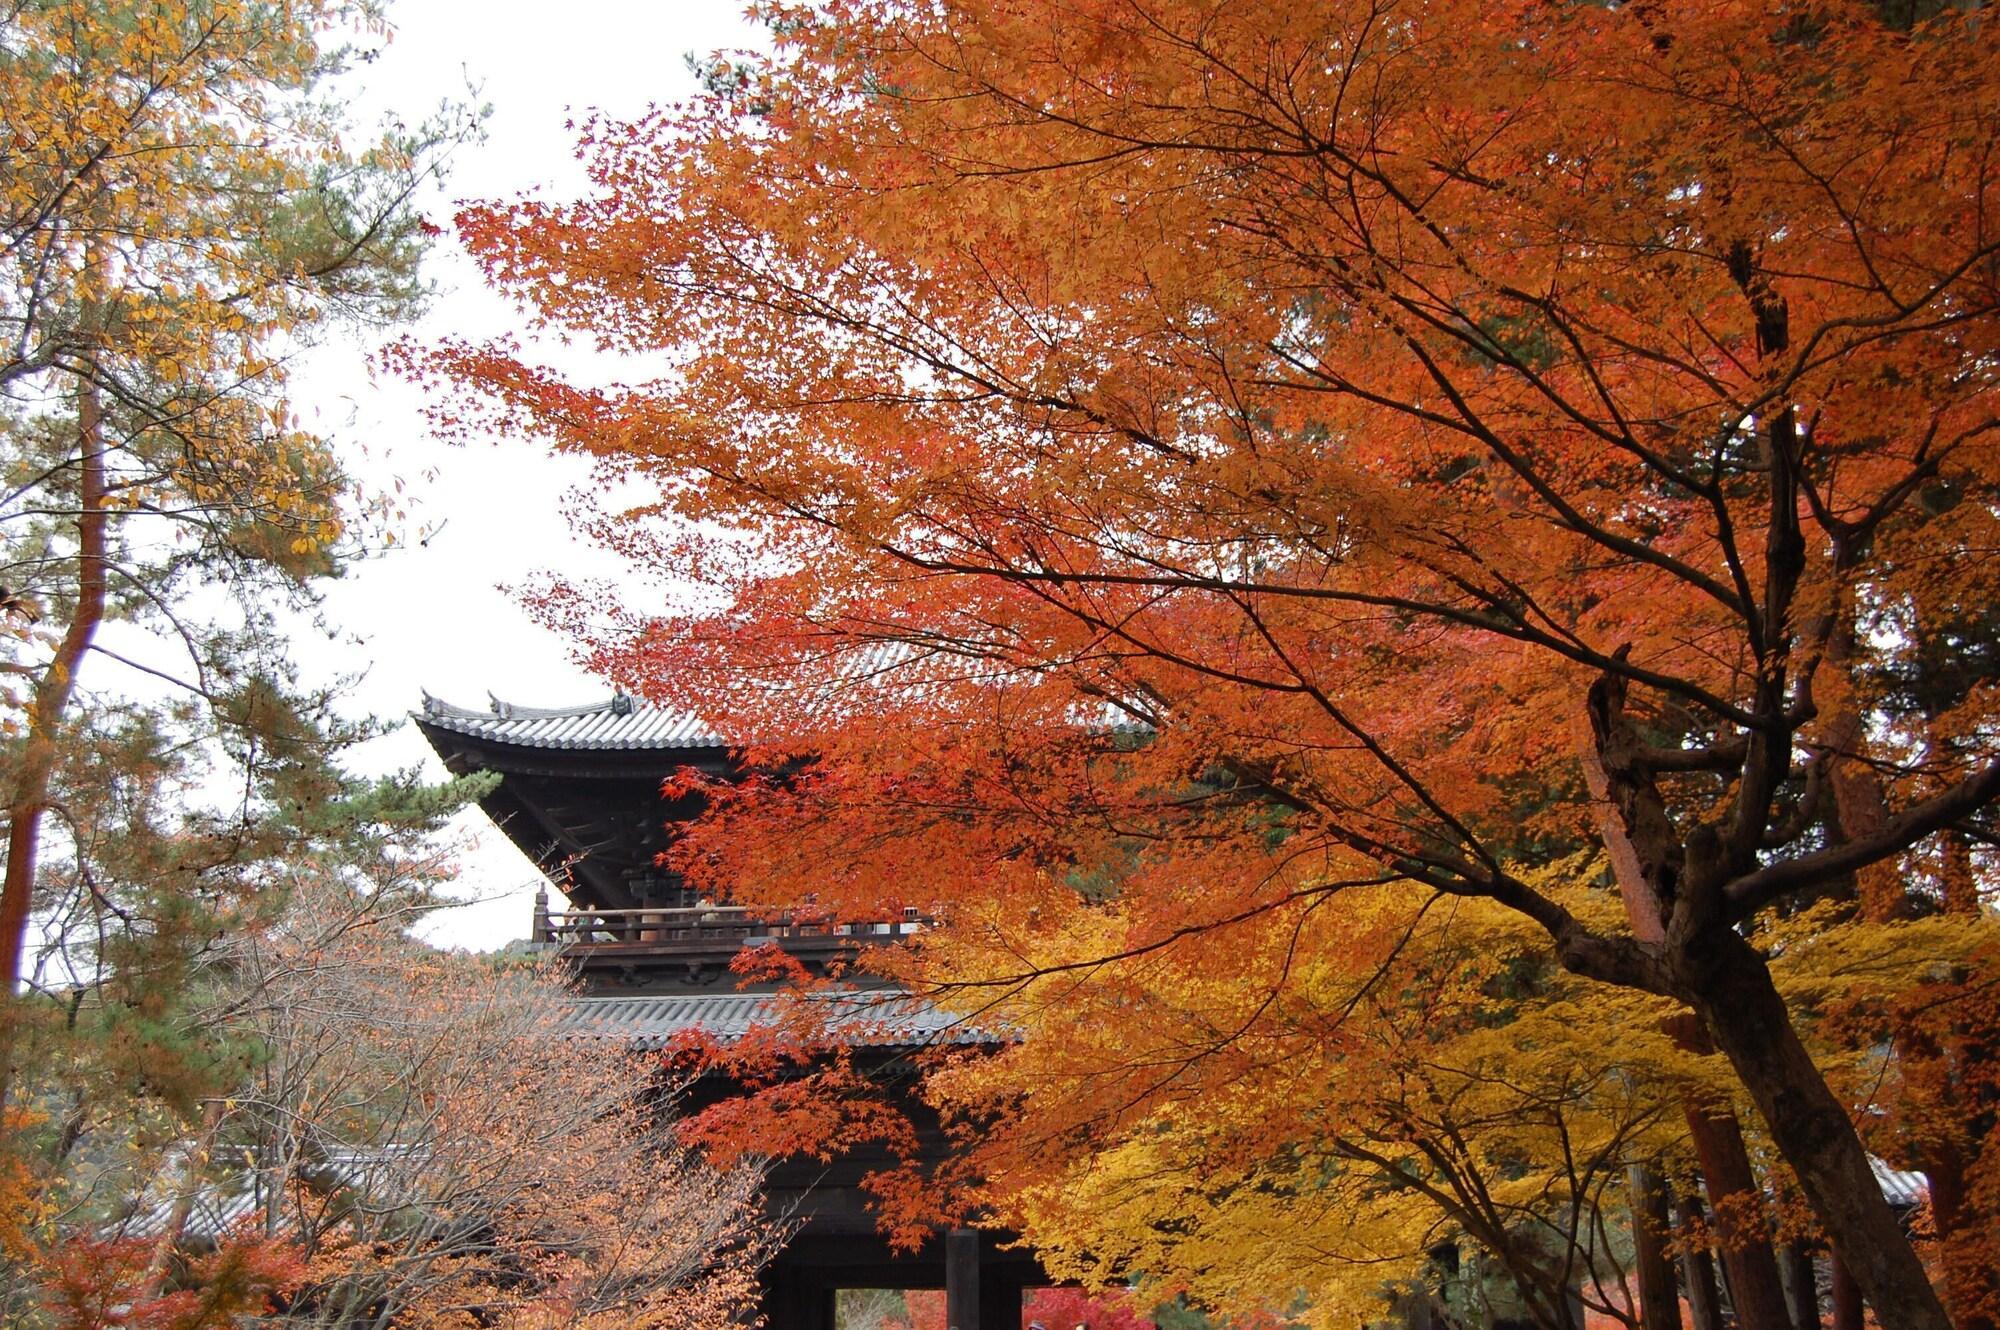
<point x="999" y="1301"/>
<point x="961" y="1281"/>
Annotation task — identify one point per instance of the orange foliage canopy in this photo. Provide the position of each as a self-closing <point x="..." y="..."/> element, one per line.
<point x="1167" y="463"/>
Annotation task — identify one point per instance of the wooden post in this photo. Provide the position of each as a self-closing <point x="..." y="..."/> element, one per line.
<point x="999" y="1301"/>
<point x="961" y="1280"/>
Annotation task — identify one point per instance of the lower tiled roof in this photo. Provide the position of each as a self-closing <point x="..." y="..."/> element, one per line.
<point x="885" y="1018"/>
<point x="218" y="1208"/>
<point x="1899" y="1187"/>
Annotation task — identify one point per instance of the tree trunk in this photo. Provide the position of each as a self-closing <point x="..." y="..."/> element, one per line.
<point x="1718" y="1139"/>
<point x="27" y="795"/>
<point x="1727" y="980"/>
<point x="1859" y="806"/>
<point x="1957" y="1215"/>
<point x="1847" y="1314"/>
<point x="1795" y="1267"/>
<point x="1961" y="888"/>
<point x="1715" y="971"/>
<point x="1944" y="1169"/>
<point x="1698" y="1272"/>
<point x="1737" y="1202"/>
<point x="1659" y="1303"/>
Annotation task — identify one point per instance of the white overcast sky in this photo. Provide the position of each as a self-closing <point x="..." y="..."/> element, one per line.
<point x="438" y="616"/>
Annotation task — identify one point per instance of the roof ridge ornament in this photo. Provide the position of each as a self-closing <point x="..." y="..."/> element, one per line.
<point x="501" y="709"/>
<point x="621" y="703"/>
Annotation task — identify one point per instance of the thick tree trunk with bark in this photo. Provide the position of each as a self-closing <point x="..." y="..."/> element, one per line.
<point x="1860" y="809"/>
<point x="1729" y="984"/>
<point x="1951" y="1210"/>
<point x="1674" y="899"/>
<point x="1733" y="1189"/>
<point x="1961" y="888"/>
<point x="1945" y="1163"/>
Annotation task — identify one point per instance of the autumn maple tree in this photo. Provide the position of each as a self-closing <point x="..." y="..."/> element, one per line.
<point x="1167" y="465"/>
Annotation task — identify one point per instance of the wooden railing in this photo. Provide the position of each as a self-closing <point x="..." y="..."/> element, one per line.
<point x="717" y="925"/>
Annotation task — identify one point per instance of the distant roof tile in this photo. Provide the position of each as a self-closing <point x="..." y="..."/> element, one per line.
<point x="884" y="1018"/>
<point x="618" y="722"/>
<point x="1899" y="1186"/>
<point x="381" y="1171"/>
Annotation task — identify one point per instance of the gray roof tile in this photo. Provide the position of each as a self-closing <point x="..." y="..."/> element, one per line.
<point x="1899" y="1186"/>
<point x="618" y="722"/>
<point x="381" y="1172"/>
<point x="885" y="1018"/>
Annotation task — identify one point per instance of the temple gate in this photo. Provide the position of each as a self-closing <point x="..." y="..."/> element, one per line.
<point x="580" y="794"/>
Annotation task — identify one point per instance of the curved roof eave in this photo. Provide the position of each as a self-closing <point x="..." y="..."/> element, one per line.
<point x="619" y="722"/>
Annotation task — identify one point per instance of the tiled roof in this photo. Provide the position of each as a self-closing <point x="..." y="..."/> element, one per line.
<point x="885" y="1018"/>
<point x="217" y="1208"/>
<point x="1900" y="1188"/>
<point x="617" y="722"/>
<point x="213" y="1212"/>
